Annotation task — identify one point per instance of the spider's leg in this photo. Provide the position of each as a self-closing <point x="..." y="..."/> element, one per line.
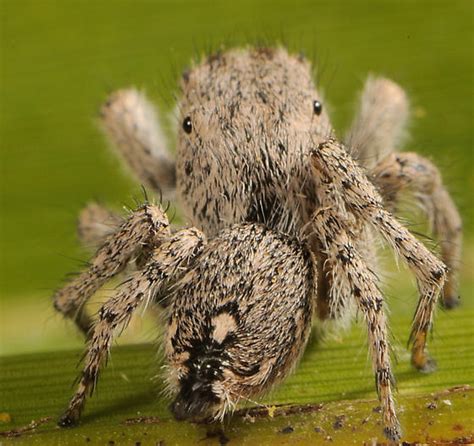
<point x="139" y="232"/>
<point x="380" y="121"/>
<point x="166" y="264"/>
<point x="362" y="199"/>
<point x="352" y="274"/>
<point x="131" y="125"/>
<point x="333" y="293"/>
<point x="95" y="224"/>
<point x="400" y="172"/>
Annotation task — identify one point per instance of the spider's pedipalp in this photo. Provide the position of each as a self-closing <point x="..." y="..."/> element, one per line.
<point x="363" y="200"/>
<point x="166" y="263"/>
<point x="139" y="232"/>
<point x="130" y="123"/>
<point x="411" y="172"/>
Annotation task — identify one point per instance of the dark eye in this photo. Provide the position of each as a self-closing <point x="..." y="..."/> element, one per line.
<point x="317" y="107"/>
<point x="187" y="125"/>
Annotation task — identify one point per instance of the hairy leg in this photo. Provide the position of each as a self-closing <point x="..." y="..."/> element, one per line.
<point x="380" y="122"/>
<point x="131" y="124"/>
<point x="350" y="276"/>
<point x="334" y="299"/>
<point x="401" y="172"/>
<point x="361" y="198"/>
<point x="95" y="224"/>
<point x="166" y="264"/>
<point x="140" y="231"/>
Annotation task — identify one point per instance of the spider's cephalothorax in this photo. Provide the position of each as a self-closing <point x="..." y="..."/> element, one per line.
<point x="283" y="226"/>
<point x="254" y="122"/>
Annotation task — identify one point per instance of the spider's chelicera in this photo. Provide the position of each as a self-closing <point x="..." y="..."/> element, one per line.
<point x="283" y="219"/>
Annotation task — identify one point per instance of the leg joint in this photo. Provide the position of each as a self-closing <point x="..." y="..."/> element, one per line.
<point x="383" y="377"/>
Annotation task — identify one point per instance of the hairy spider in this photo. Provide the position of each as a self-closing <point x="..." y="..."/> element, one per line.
<point x="284" y="224"/>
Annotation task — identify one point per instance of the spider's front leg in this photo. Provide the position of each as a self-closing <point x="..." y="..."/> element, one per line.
<point x="380" y="122"/>
<point x="401" y="172"/>
<point x="362" y="199"/>
<point x="141" y="231"/>
<point x="165" y="265"/>
<point x="95" y="223"/>
<point x="131" y="125"/>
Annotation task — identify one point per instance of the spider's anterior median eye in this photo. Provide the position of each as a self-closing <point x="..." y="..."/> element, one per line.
<point x="317" y="107"/>
<point x="187" y="125"/>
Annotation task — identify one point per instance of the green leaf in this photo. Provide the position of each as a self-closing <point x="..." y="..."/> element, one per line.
<point x="335" y="373"/>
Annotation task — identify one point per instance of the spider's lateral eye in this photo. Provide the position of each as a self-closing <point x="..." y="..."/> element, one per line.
<point x="187" y="125"/>
<point x="317" y="107"/>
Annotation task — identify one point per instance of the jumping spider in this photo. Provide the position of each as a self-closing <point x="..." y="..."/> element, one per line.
<point x="284" y="225"/>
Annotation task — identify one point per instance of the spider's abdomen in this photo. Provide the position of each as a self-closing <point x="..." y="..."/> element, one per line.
<point x="239" y="320"/>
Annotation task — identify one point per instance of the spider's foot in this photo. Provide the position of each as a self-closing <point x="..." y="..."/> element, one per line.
<point x="424" y="363"/>
<point x="420" y="357"/>
<point x="450" y="302"/>
<point x="429" y="367"/>
<point x="393" y="433"/>
<point x="68" y="419"/>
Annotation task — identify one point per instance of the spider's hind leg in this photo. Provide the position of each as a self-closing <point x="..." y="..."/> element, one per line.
<point x="362" y="199"/>
<point x="142" y="230"/>
<point x="166" y="263"/>
<point x="351" y="277"/>
<point x="411" y="172"/>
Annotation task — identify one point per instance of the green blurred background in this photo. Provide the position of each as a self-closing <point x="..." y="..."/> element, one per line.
<point x="60" y="59"/>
